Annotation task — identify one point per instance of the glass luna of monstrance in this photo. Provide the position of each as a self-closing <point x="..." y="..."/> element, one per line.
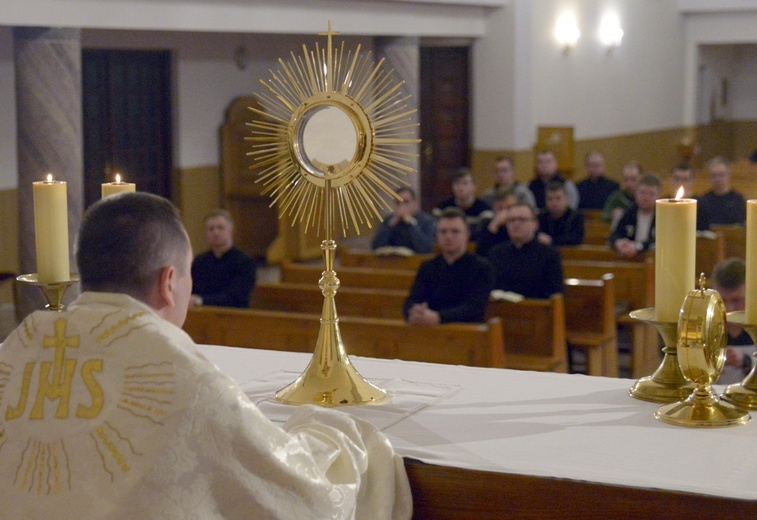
<point x="333" y="141"/>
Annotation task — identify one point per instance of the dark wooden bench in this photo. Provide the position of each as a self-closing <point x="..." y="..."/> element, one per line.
<point x="453" y="343"/>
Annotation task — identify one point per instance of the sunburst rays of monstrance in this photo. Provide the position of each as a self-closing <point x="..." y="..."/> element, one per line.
<point x="333" y="142"/>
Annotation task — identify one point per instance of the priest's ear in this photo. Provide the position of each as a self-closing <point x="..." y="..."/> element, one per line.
<point x="167" y="284"/>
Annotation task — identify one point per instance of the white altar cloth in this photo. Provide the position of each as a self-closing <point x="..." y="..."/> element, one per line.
<point x="542" y="424"/>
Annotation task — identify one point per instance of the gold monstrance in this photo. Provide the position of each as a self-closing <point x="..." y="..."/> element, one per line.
<point x="332" y="144"/>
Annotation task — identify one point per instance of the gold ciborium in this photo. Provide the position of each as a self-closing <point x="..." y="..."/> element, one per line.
<point x="667" y="384"/>
<point x="701" y="355"/>
<point x="330" y="142"/>
<point x="53" y="291"/>
<point x="744" y="394"/>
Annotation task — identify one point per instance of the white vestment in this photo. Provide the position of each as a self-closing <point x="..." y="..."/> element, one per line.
<point x="108" y="411"/>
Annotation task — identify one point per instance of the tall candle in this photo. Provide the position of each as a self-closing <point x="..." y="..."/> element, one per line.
<point x="751" y="262"/>
<point x="51" y="230"/>
<point x="111" y="188"/>
<point x="675" y="252"/>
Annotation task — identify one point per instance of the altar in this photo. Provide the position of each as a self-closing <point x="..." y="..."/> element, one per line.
<point x="495" y="443"/>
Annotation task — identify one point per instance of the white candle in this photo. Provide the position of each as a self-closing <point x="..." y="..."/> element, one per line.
<point x="675" y="253"/>
<point x="51" y="230"/>
<point x="111" y="188"/>
<point x="751" y="262"/>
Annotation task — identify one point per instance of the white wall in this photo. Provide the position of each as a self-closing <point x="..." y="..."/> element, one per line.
<point x="523" y="80"/>
<point x="207" y="79"/>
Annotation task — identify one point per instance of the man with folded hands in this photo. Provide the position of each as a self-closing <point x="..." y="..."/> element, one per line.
<point x="454" y="286"/>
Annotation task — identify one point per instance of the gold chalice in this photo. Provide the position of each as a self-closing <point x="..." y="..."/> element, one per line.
<point x="701" y="354"/>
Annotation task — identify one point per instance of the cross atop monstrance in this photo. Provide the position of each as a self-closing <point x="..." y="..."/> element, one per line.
<point x="332" y="143"/>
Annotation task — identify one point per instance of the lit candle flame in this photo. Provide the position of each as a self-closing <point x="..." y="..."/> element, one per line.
<point x="679" y="193"/>
<point x="49" y="177"/>
<point x="118" y="178"/>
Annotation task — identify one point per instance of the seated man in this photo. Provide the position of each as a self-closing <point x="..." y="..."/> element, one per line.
<point x="224" y="275"/>
<point x="111" y="411"/>
<point x="560" y="225"/>
<point x="504" y="179"/>
<point x="546" y="172"/>
<point x="454" y="285"/>
<point x="464" y="197"/>
<point x="682" y="176"/>
<point x="407" y="226"/>
<point x="729" y="279"/>
<point x="721" y="205"/>
<point x="634" y="232"/>
<point x="494" y="231"/>
<point x="594" y="190"/>
<point x="622" y="199"/>
<point x="524" y="265"/>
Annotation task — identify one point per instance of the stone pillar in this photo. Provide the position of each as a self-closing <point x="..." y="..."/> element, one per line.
<point x="49" y="111"/>
<point x="403" y="55"/>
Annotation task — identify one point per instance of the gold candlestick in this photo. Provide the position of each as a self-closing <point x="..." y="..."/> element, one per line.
<point x="53" y="291"/>
<point x="667" y="384"/>
<point x="744" y="394"/>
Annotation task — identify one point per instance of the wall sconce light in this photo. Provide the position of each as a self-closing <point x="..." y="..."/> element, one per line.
<point x="610" y="33"/>
<point x="566" y="31"/>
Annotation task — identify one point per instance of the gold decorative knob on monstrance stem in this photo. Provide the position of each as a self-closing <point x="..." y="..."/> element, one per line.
<point x="332" y="144"/>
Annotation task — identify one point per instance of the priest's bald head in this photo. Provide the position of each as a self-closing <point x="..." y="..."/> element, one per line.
<point x="136" y="244"/>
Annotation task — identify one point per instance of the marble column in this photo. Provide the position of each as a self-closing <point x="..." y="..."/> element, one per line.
<point x="403" y="55"/>
<point x="49" y="112"/>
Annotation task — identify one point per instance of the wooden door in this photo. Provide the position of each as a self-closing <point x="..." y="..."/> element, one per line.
<point x="126" y="119"/>
<point x="444" y="107"/>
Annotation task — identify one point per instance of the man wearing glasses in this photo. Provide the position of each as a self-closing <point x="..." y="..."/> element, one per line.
<point x="524" y="265"/>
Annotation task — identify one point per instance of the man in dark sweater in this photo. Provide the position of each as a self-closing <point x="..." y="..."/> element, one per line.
<point x="524" y="265"/>
<point x="546" y="172"/>
<point x="729" y="279"/>
<point x="559" y="225"/>
<point x="721" y="205"/>
<point x="223" y="276"/>
<point x="594" y="190"/>
<point x="454" y="286"/>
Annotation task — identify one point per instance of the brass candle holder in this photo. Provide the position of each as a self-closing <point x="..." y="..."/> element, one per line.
<point x="744" y="394"/>
<point x="53" y="291"/>
<point x="667" y="384"/>
<point x="701" y="355"/>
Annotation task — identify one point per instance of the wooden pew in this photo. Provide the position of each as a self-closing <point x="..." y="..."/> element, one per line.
<point x="634" y="289"/>
<point x="453" y="343"/>
<point x="590" y="322"/>
<point x="350" y="301"/>
<point x="735" y="240"/>
<point x="366" y="277"/>
<point x="710" y="249"/>
<point x="596" y="232"/>
<point x="534" y="333"/>
<point x="361" y="258"/>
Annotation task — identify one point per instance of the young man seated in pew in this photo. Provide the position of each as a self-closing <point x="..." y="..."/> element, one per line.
<point x="635" y="231"/>
<point x="560" y="225"/>
<point x="454" y="286"/>
<point x="111" y="411"/>
<point x="524" y="265"/>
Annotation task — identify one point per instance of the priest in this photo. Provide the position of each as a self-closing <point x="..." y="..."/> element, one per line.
<point x="109" y="410"/>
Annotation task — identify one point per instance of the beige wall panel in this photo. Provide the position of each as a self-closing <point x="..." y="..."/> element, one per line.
<point x="9" y="261"/>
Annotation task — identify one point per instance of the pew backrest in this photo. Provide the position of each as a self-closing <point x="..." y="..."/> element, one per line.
<point x="474" y="344"/>
<point x="358" y="277"/>
<point x="533" y="333"/>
